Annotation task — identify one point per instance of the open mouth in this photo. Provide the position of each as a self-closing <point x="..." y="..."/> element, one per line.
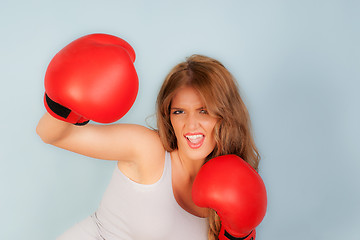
<point x="195" y="140"/>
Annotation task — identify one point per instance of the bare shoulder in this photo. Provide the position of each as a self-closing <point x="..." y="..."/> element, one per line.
<point x="149" y="144"/>
<point x="147" y="164"/>
<point x="142" y="140"/>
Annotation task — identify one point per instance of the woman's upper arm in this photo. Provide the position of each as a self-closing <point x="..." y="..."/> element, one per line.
<point x="109" y="142"/>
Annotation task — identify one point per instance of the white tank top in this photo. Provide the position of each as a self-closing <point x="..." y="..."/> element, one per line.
<point x="133" y="211"/>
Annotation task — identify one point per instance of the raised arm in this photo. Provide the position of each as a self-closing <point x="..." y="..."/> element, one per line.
<point x="92" y="78"/>
<point x="108" y="142"/>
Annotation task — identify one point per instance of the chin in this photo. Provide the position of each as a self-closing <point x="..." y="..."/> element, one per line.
<point x="198" y="154"/>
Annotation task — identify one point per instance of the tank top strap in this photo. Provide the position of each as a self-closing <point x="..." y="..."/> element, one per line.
<point x="166" y="176"/>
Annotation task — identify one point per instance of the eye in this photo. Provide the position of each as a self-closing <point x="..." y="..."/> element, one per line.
<point x="176" y="112"/>
<point x="203" y="111"/>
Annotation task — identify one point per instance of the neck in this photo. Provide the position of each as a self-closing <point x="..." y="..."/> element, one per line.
<point x="190" y="166"/>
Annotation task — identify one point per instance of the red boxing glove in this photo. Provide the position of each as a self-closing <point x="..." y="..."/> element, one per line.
<point x="231" y="187"/>
<point x="92" y="78"/>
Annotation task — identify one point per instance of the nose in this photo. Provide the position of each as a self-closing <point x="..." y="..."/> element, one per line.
<point x="192" y="122"/>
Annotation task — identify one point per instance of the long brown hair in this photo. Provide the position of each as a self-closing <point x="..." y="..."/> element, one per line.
<point x="220" y="92"/>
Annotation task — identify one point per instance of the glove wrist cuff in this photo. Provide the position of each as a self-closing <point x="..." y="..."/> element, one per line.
<point x="63" y="113"/>
<point x="225" y="235"/>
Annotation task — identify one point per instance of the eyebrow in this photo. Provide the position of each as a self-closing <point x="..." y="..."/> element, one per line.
<point x="183" y="108"/>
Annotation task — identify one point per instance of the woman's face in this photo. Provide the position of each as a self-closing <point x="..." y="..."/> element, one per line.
<point x="193" y="126"/>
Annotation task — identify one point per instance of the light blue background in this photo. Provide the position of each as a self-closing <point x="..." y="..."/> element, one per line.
<point x="298" y="65"/>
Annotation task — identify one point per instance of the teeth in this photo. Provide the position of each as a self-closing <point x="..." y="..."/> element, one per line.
<point x="194" y="138"/>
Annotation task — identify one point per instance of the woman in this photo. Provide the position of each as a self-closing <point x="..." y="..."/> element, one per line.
<point x="200" y="115"/>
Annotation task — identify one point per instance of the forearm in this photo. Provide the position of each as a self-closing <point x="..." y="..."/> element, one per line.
<point x="51" y="129"/>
